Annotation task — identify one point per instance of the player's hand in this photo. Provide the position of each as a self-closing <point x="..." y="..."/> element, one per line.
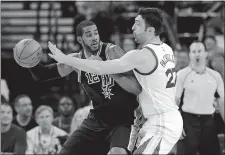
<point x="56" y="54"/>
<point x="183" y="135"/>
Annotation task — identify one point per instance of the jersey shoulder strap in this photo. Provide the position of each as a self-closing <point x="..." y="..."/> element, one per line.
<point x="103" y="51"/>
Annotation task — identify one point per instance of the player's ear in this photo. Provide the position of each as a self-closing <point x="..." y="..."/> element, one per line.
<point x="151" y="29"/>
<point x="79" y="39"/>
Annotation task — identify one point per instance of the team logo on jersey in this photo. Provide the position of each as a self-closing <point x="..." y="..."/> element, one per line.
<point x="107" y="83"/>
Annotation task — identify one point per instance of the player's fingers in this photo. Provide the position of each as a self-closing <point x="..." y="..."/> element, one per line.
<point x="55" y="48"/>
<point x="51" y="55"/>
<point x="52" y="47"/>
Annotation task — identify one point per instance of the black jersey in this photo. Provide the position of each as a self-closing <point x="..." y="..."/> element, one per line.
<point x="112" y="104"/>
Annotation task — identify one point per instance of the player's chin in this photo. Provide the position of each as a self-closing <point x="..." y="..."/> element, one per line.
<point x="136" y="40"/>
<point x="94" y="49"/>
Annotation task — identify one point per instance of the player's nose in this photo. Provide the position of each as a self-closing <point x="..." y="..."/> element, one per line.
<point x="133" y="27"/>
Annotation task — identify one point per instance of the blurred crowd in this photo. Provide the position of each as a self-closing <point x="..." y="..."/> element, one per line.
<point x="40" y="132"/>
<point x="39" y="122"/>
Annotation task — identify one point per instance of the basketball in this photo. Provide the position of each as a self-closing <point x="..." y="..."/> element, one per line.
<point x="27" y="53"/>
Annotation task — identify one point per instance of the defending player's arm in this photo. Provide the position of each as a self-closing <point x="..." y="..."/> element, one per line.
<point x="52" y="71"/>
<point x="126" y="80"/>
<point x="220" y="91"/>
<point x="131" y="60"/>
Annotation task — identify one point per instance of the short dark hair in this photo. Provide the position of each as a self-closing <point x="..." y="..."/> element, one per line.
<point x="6" y="104"/>
<point x="19" y="97"/>
<point x="197" y="41"/>
<point x="152" y="17"/>
<point x="81" y="25"/>
<point x="65" y="99"/>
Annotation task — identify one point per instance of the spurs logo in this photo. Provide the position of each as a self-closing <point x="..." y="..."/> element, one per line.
<point x="107" y="83"/>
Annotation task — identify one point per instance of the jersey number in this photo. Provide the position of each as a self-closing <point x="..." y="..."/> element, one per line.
<point x="172" y="80"/>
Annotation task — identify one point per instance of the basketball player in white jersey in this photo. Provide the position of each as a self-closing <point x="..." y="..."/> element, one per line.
<point x="153" y="66"/>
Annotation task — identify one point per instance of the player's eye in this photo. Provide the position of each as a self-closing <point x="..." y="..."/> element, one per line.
<point x="137" y="23"/>
<point x="88" y="34"/>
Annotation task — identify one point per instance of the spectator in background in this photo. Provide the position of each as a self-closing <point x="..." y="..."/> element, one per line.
<point x="23" y="107"/>
<point x="5" y="89"/>
<point x="217" y="63"/>
<point x="13" y="138"/>
<point x="43" y="138"/>
<point x="212" y="47"/>
<point x="66" y="110"/>
<point x="198" y="84"/>
<point x="79" y="116"/>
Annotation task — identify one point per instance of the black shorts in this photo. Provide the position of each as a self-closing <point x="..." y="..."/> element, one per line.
<point x="93" y="137"/>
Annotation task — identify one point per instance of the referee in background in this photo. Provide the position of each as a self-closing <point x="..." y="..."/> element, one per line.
<point x="196" y="88"/>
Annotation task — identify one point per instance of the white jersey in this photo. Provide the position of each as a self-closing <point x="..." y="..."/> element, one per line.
<point x="158" y="86"/>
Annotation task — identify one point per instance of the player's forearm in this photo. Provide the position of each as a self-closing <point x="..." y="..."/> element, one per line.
<point x="98" y="67"/>
<point x="128" y="83"/>
<point x="44" y="73"/>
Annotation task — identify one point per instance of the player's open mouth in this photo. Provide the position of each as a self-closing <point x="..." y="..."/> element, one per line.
<point x="197" y="59"/>
<point x="95" y="44"/>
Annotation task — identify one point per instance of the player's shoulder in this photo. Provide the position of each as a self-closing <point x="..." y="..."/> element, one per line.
<point x="113" y="51"/>
<point x="155" y="47"/>
<point x="109" y="46"/>
<point x="167" y="46"/>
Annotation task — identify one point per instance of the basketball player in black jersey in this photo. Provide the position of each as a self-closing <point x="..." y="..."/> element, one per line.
<point x="108" y="125"/>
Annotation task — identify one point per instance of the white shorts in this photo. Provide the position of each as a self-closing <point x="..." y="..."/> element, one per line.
<point x="159" y="133"/>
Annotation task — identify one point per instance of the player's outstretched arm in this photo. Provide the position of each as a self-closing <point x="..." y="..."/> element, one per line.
<point x="44" y="73"/>
<point x="129" y="61"/>
<point x="53" y="71"/>
<point x="126" y="80"/>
